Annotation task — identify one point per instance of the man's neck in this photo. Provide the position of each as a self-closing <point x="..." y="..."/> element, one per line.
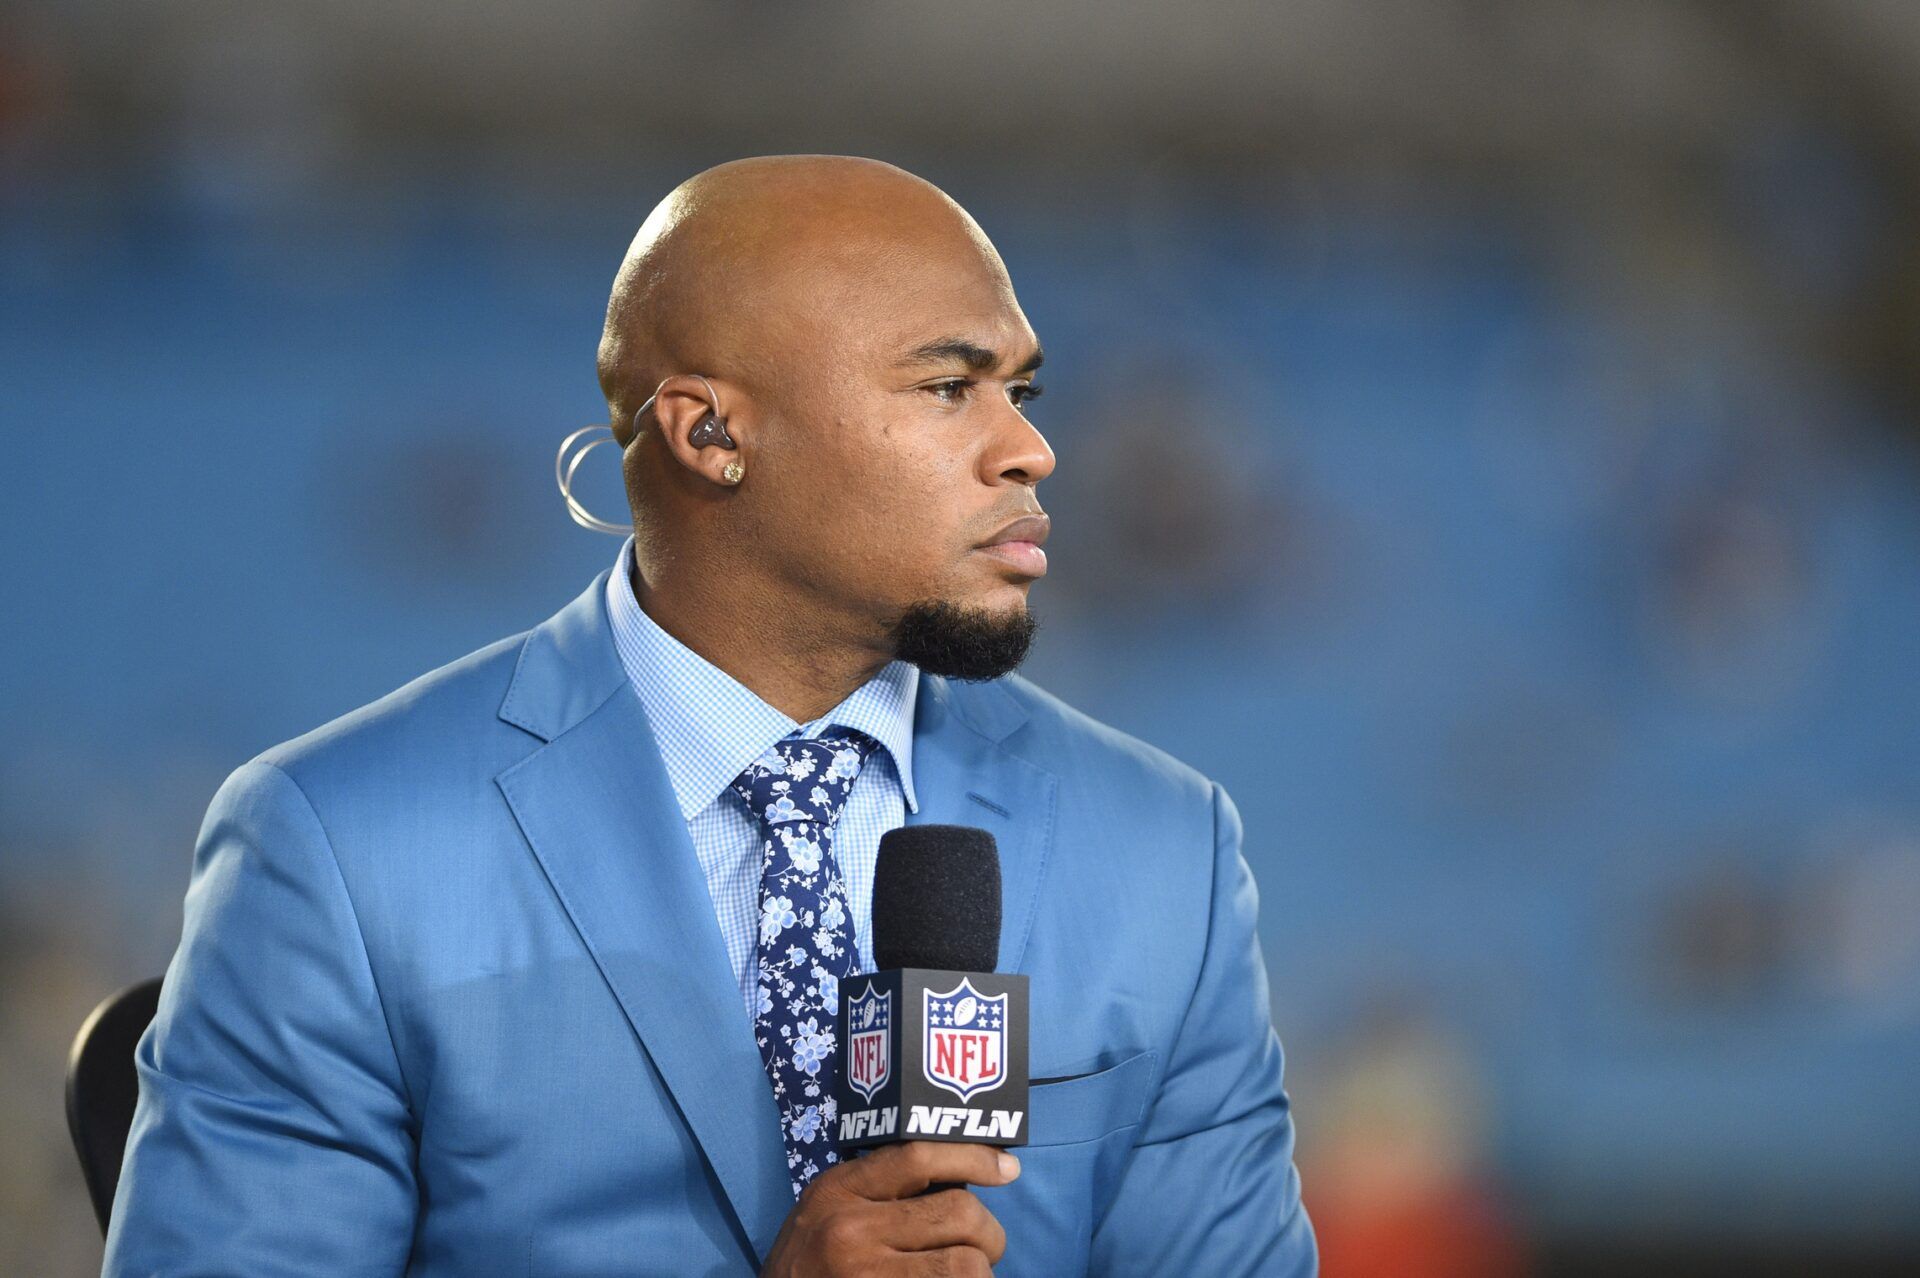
<point x="803" y="678"/>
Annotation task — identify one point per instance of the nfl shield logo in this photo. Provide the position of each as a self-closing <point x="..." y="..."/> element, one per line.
<point x="965" y="1034"/>
<point x="869" y="1026"/>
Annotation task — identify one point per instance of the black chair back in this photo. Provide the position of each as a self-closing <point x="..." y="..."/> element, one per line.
<point x="102" y="1088"/>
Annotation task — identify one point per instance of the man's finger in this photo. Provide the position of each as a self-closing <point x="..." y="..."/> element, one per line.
<point x="901" y="1171"/>
<point x="950" y="1218"/>
<point x="949" y="1262"/>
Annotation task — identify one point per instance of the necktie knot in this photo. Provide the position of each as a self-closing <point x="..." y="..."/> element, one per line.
<point x="800" y="779"/>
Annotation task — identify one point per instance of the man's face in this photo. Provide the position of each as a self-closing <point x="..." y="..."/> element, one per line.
<point x="912" y="454"/>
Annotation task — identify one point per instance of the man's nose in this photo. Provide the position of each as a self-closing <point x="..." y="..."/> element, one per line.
<point x="1022" y="455"/>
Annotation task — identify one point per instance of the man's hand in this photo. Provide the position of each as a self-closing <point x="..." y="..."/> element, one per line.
<point x="861" y="1216"/>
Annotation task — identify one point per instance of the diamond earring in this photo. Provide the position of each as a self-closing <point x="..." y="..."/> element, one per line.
<point x="733" y="472"/>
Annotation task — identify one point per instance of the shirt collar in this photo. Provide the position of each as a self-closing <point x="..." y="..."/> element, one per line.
<point x="710" y="726"/>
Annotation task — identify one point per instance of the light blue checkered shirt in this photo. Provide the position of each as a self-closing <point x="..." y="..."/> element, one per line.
<point x="710" y="727"/>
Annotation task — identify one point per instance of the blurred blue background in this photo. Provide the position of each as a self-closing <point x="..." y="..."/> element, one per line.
<point x="1486" y="439"/>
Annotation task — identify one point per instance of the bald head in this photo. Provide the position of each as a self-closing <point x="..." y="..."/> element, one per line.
<point x="748" y="269"/>
<point x="858" y="336"/>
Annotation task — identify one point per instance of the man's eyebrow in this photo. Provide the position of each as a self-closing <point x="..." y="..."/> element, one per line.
<point x="975" y="356"/>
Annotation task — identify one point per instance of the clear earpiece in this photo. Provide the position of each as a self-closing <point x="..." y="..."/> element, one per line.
<point x="565" y="467"/>
<point x="708" y="432"/>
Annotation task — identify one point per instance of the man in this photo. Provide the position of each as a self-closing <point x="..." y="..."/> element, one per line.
<point x="508" y="972"/>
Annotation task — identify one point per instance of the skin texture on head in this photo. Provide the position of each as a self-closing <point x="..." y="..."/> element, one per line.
<point x="802" y="287"/>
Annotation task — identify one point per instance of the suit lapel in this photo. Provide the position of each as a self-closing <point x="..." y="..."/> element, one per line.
<point x="597" y="808"/>
<point x="963" y="774"/>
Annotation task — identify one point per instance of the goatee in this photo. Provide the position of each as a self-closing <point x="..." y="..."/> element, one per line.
<point x="963" y="643"/>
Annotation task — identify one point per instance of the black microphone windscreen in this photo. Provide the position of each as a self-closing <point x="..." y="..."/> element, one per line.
<point x="936" y="899"/>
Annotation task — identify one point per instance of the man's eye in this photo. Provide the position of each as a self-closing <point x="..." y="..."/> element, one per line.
<point x="953" y="392"/>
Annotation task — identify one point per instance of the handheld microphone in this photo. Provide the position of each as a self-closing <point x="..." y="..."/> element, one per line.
<point x="934" y="1044"/>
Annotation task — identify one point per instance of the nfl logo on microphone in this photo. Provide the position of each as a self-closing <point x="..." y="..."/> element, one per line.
<point x="966" y="1037"/>
<point x="869" y="1052"/>
<point x="932" y="1055"/>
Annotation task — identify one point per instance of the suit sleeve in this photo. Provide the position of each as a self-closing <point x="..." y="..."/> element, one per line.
<point x="272" y="1134"/>
<point x="1211" y="1186"/>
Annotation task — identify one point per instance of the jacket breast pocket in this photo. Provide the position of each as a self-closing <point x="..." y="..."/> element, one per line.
<point x="1080" y="1132"/>
<point x="1081" y="1107"/>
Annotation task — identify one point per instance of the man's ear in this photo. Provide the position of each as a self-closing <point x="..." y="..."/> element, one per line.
<point x="695" y="429"/>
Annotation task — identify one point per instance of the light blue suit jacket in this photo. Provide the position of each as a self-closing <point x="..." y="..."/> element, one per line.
<point x="451" y="999"/>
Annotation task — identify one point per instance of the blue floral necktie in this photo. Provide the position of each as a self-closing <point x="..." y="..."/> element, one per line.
<point x="796" y="791"/>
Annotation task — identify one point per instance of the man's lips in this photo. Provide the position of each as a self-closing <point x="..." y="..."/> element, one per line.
<point x="1018" y="545"/>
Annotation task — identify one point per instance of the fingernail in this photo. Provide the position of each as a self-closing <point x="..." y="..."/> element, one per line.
<point x="1009" y="1165"/>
